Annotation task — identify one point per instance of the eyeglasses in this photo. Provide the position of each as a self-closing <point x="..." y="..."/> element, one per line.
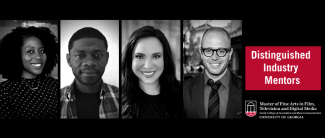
<point x="220" y="52"/>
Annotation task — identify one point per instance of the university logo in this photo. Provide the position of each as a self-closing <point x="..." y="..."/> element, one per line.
<point x="250" y="108"/>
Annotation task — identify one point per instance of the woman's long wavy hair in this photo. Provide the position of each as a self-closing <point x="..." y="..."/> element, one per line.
<point x="10" y="50"/>
<point x="169" y="87"/>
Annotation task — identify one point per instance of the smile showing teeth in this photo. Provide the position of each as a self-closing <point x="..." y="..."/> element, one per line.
<point x="148" y="73"/>
<point x="37" y="65"/>
<point x="215" y="64"/>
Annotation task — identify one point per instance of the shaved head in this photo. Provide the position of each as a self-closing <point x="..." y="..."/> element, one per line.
<point x="215" y="36"/>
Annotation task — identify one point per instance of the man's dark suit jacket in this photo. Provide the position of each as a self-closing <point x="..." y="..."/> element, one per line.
<point x="193" y="97"/>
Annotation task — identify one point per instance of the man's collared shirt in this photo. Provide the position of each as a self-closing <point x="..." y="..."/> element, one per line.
<point x="223" y="92"/>
<point x="108" y="108"/>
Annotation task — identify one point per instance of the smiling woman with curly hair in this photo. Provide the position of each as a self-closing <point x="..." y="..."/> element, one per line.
<point x="27" y="57"/>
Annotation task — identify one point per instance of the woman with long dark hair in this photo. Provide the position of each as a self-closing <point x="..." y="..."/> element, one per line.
<point x="27" y="57"/>
<point x="149" y="86"/>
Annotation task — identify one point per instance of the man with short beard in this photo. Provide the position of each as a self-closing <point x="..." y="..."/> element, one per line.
<point x="88" y="97"/>
<point x="216" y="93"/>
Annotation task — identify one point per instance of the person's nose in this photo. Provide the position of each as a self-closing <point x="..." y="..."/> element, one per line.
<point x="215" y="56"/>
<point x="89" y="61"/>
<point x="148" y="63"/>
<point x="37" y="56"/>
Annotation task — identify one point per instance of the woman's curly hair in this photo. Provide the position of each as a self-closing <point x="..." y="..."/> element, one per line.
<point x="10" y="50"/>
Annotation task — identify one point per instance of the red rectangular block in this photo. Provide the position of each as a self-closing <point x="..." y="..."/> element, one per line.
<point x="283" y="68"/>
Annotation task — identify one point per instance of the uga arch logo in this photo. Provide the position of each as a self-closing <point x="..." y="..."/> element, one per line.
<point x="250" y="108"/>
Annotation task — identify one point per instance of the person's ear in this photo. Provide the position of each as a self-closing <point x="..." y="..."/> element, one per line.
<point x="107" y="57"/>
<point x="230" y="54"/>
<point x="68" y="59"/>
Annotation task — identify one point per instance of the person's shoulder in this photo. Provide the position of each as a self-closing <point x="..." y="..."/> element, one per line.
<point x="235" y="76"/>
<point x="237" y="81"/>
<point x="65" y="89"/>
<point x="50" y="82"/>
<point x="113" y="87"/>
<point x="190" y="81"/>
<point x="5" y="84"/>
<point x="51" y="79"/>
<point x="2" y="86"/>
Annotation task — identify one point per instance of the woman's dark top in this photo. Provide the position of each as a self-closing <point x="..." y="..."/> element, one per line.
<point x="151" y="107"/>
<point x="18" y="100"/>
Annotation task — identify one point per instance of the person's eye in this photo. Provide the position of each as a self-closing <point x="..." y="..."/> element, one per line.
<point x="208" y="50"/>
<point x="99" y="55"/>
<point x="78" y="55"/>
<point x="156" y="56"/>
<point x="42" y="51"/>
<point x="139" y="56"/>
<point x="222" y="51"/>
<point x="30" y="51"/>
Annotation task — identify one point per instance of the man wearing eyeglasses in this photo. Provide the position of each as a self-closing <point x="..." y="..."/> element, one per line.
<point x="216" y="93"/>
